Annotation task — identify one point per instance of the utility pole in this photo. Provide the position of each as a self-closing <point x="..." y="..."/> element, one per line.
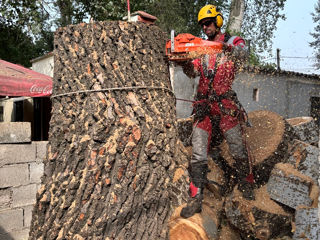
<point x="278" y="59"/>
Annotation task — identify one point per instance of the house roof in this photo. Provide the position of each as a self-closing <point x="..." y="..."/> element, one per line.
<point x="16" y="80"/>
<point x="256" y="69"/>
<point x="49" y="54"/>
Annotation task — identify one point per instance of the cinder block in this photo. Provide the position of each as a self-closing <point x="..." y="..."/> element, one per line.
<point x="5" y="198"/>
<point x="15" y="132"/>
<point x="11" y="219"/>
<point x="41" y="150"/>
<point x="304" y="157"/>
<point x="290" y="187"/>
<point x="307" y="224"/>
<point x="36" y="172"/>
<point x="27" y="214"/>
<point x="19" y="234"/>
<point x="24" y="195"/>
<point x="17" y="153"/>
<point x="14" y="175"/>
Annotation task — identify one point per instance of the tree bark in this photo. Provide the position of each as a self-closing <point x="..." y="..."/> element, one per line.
<point x="260" y="219"/>
<point x="114" y="169"/>
<point x="236" y="15"/>
<point x="305" y="129"/>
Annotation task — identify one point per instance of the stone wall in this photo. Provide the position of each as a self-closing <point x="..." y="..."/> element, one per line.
<point x="21" y="168"/>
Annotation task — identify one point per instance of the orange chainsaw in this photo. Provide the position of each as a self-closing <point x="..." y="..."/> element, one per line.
<point x="185" y="46"/>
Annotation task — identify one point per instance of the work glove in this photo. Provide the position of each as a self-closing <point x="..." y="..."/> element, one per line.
<point x="201" y="110"/>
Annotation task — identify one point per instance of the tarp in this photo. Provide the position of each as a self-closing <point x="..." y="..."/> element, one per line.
<point x="16" y="80"/>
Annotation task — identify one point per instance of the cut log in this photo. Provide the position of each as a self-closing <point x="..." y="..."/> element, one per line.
<point x="304" y="158"/>
<point x="305" y="129"/>
<point x="112" y="169"/>
<point x="203" y="226"/>
<point x="291" y="188"/>
<point x="307" y="224"/>
<point x="260" y="219"/>
<point x="267" y="141"/>
<point x="227" y="232"/>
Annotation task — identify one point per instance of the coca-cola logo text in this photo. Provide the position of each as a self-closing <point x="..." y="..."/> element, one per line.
<point x="41" y="89"/>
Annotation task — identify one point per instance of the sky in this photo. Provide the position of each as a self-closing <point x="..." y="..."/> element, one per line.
<point x="292" y="37"/>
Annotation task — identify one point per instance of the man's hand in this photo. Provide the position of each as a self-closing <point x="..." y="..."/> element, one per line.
<point x="201" y="110"/>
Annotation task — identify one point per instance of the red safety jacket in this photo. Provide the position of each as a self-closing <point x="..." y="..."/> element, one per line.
<point x="223" y="78"/>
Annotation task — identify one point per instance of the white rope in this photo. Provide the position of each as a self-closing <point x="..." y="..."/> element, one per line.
<point x="112" y="89"/>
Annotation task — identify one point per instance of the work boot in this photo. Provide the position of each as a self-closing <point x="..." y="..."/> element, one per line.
<point x="198" y="173"/>
<point x="246" y="186"/>
<point x="195" y="202"/>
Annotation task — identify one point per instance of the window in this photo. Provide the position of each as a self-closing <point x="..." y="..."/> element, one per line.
<point x="255" y="95"/>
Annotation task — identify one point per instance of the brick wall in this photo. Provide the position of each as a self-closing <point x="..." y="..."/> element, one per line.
<point x="21" y="168"/>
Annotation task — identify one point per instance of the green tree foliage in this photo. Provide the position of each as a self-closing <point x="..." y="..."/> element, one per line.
<point x="36" y="18"/>
<point x="24" y="31"/>
<point x="316" y="34"/>
<point x="259" y="25"/>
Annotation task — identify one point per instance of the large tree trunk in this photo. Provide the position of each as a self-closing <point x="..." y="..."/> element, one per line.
<point x="114" y="169"/>
<point x="236" y="16"/>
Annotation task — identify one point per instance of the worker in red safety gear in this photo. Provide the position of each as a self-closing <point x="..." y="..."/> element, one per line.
<point x="216" y="100"/>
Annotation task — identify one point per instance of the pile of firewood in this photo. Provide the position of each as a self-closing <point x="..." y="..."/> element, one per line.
<point x="286" y="169"/>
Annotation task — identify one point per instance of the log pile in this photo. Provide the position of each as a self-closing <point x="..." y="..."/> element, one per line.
<point x="286" y="169"/>
<point x="114" y="167"/>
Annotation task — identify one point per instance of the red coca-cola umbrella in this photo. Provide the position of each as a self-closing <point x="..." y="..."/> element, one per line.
<point x="16" y="80"/>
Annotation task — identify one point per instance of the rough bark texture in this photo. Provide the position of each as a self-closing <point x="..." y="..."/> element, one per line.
<point x="114" y="169"/>
<point x="305" y="129"/>
<point x="260" y="219"/>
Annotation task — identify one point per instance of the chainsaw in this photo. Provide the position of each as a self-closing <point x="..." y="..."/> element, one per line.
<point x="185" y="46"/>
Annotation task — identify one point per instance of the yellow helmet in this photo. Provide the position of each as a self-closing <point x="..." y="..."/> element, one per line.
<point x="210" y="11"/>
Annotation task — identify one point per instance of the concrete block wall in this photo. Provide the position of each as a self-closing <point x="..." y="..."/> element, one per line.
<point x="21" y="168"/>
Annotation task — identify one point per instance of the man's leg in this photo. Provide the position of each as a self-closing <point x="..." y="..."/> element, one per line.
<point x="198" y="167"/>
<point x="233" y="134"/>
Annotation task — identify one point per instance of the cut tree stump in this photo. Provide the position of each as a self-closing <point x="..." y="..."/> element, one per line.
<point x="307" y="224"/>
<point x="260" y="219"/>
<point x="304" y="158"/>
<point x="113" y="170"/>
<point x="305" y="129"/>
<point x="291" y="188"/>
<point x="267" y="140"/>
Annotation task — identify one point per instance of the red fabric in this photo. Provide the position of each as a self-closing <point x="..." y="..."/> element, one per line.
<point x="16" y="80"/>
<point x="250" y="178"/>
<point x="193" y="190"/>
<point x="222" y="83"/>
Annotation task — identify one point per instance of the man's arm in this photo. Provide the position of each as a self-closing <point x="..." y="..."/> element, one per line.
<point x="236" y="48"/>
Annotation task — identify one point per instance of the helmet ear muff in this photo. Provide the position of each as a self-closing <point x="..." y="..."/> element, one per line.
<point x="219" y="21"/>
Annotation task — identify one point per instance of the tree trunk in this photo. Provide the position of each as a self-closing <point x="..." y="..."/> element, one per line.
<point x="114" y="169"/>
<point x="236" y="16"/>
<point x="267" y="140"/>
<point x="261" y="219"/>
<point x="305" y="129"/>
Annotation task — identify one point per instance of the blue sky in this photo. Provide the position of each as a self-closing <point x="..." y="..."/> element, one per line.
<point x="292" y="37"/>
